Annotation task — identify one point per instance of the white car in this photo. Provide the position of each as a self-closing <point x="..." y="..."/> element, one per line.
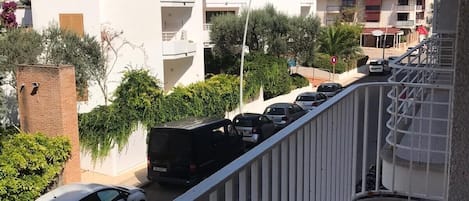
<point x="376" y="66"/>
<point x="94" y="192"/>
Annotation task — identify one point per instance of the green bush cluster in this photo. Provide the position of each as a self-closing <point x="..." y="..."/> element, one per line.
<point x="28" y="164"/>
<point x="323" y="61"/>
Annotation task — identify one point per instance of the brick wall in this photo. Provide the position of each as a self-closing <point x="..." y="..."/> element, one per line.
<point x="52" y="108"/>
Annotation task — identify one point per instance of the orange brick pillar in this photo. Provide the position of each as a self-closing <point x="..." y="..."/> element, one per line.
<point x="47" y="104"/>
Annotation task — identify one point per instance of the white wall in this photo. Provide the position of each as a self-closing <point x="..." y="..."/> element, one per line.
<point x="132" y="155"/>
<point x="45" y="12"/>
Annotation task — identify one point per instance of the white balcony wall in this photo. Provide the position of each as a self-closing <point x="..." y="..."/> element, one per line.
<point x="24" y="16"/>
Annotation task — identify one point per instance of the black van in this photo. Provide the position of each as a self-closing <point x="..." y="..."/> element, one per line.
<point x="187" y="151"/>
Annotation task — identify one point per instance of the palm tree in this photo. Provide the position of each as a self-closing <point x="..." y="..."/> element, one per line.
<point x="340" y="40"/>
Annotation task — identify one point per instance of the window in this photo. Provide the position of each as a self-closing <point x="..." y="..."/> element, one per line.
<point x="72" y="22"/>
<point x="108" y="195"/>
<point x="403" y="2"/>
<point x="402" y="16"/>
<point x="420" y="15"/>
<point x="374" y="8"/>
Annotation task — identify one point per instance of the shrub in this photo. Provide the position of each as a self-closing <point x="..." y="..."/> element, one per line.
<point x="298" y="81"/>
<point x="270" y="72"/>
<point x="28" y="164"/>
<point x="323" y="61"/>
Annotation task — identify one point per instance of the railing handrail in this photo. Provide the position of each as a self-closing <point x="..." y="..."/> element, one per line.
<point x="237" y="165"/>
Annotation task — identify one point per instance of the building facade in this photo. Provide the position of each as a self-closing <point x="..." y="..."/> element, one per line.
<point x="153" y="35"/>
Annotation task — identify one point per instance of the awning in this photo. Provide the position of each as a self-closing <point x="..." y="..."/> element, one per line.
<point x="389" y="31"/>
<point x="422" y="30"/>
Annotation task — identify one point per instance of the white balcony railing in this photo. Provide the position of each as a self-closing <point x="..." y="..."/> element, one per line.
<point x="327" y="154"/>
<point x="176" y="45"/>
<point x="405" y="23"/>
<point x="405" y="8"/>
<point x="177" y="3"/>
<point x="333" y="9"/>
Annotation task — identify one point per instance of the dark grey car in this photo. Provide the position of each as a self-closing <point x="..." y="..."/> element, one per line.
<point x="283" y="114"/>
<point x="330" y="88"/>
<point x="254" y="127"/>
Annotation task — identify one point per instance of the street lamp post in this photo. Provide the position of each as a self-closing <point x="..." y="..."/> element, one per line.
<point x="241" y="73"/>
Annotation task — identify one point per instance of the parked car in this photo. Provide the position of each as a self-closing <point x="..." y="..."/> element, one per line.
<point x="282" y="114"/>
<point x="187" y="151"/>
<point x="94" y="192"/>
<point x="376" y="66"/>
<point x="310" y="100"/>
<point x="330" y="88"/>
<point x="254" y="127"/>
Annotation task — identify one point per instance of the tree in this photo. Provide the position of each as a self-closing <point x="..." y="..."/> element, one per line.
<point x="66" y="47"/>
<point x="269" y="32"/>
<point x="302" y="35"/>
<point x="18" y="46"/>
<point x="342" y="40"/>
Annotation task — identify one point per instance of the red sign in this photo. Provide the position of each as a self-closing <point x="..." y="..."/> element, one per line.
<point x="333" y="60"/>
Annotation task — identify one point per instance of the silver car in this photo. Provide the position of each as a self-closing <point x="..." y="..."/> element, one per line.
<point x="283" y="114"/>
<point x="310" y="100"/>
<point x="93" y="191"/>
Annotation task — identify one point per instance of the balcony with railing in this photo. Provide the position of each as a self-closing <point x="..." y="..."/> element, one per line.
<point x="405" y="23"/>
<point x="176" y="45"/>
<point x="177" y="3"/>
<point x="406" y="8"/>
<point x="207" y="41"/>
<point x="374" y="139"/>
<point x="333" y="9"/>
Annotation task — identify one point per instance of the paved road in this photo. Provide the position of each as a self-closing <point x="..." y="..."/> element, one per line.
<point x="155" y="192"/>
<point x="372" y="123"/>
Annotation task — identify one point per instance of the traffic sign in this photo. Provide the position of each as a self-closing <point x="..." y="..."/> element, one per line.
<point x="333" y="60"/>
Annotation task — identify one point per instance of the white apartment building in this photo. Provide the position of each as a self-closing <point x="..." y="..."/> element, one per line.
<point x="161" y="36"/>
<point x="396" y="18"/>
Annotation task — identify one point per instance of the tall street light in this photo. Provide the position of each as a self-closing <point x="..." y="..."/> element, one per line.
<point x="241" y="73"/>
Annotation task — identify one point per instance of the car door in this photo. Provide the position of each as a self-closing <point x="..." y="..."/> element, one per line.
<point x="297" y="112"/>
<point x="268" y="127"/>
<point x="322" y="98"/>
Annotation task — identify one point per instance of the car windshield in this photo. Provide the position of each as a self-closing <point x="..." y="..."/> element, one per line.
<point x="274" y="111"/>
<point x="375" y="63"/>
<point x="326" y="88"/>
<point x="305" y="98"/>
<point x="243" y="122"/>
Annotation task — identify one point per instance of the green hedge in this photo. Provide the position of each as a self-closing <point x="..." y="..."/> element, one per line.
<point x="28" y="164"/>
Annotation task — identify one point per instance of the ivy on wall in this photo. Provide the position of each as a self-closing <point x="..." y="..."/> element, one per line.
<point x="28" y="164"/>
<point x="140" y="98"/>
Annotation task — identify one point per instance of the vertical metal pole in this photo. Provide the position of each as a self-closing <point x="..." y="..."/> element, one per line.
<point x="241" y="73"/>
